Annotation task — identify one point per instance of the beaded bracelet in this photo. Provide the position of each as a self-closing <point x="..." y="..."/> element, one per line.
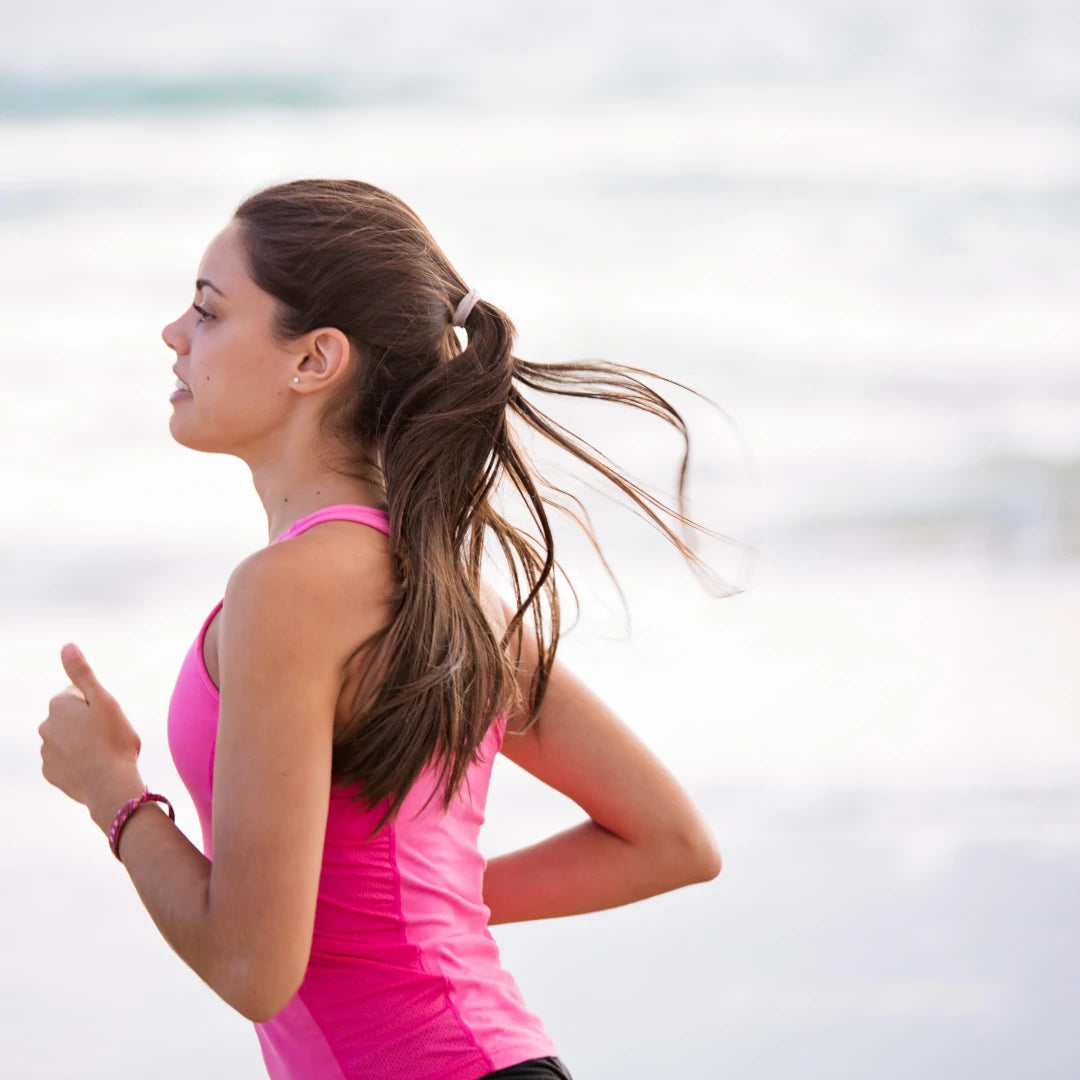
<point x="127" y="810"/>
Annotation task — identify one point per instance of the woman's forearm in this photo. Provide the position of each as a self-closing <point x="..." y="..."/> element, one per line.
<point x="585" y="868"/>
<point x="172" y="878"/>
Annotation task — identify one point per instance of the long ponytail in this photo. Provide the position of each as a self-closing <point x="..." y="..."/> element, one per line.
<point x="430" y="421"/>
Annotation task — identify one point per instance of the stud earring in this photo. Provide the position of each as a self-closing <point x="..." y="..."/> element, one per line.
<point x="296" y="378"/>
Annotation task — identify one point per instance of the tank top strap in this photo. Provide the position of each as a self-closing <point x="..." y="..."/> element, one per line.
<point x="365" y="515"/>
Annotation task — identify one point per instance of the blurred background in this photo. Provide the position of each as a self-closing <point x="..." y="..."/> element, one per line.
<point x="854" y="228"/>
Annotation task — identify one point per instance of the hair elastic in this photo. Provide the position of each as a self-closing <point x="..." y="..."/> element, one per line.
<point x="463" y="309"/>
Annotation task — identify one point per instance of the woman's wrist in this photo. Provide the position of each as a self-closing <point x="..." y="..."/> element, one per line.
<point x="112" y="794"/>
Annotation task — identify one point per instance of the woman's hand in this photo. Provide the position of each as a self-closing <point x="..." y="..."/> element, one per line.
<point x="88" y="748"/>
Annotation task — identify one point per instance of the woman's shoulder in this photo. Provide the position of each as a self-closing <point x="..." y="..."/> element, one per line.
<point x="334" y="553"/>
<point x="347" y="572"/>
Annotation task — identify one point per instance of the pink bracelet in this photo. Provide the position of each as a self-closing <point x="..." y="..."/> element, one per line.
<point x="127" y="810"/>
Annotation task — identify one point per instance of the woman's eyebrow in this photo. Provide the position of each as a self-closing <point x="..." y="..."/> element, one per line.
<point x="202" y="281"/>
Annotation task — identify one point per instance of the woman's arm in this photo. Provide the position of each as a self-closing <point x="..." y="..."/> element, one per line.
<point x="244" y="922"/>
<point x="170" y="875"/>
<point x="585" y="868"/>
<point x="644" y="835"/>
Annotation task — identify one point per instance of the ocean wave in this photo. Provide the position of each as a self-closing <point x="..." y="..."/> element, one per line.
<point x="39" y="97"/>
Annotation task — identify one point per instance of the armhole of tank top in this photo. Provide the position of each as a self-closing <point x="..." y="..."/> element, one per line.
<point x="200" y="663"/>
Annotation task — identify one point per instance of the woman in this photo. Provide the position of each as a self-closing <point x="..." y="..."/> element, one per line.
<point x="336" y="718"/>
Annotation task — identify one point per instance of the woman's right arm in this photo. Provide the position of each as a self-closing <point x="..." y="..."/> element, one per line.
<point x="644" y="834"/>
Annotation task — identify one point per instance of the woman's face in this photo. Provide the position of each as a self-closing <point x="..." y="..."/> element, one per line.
<point x="239" y="376"/>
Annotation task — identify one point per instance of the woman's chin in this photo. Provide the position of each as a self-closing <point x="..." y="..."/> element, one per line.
<point x="176" y="426"/>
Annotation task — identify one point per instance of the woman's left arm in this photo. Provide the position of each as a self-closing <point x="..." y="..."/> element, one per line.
<point x="172" y="878"/>
<point x="243" y="922"/>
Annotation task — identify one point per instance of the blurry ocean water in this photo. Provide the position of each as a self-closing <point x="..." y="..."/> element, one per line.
<point x="855" y="230"/>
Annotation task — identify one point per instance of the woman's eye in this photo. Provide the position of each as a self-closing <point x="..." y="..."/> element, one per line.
<point x="205" y="314"/>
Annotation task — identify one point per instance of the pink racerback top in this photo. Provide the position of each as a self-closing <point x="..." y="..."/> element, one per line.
<point x="404" y="980"/>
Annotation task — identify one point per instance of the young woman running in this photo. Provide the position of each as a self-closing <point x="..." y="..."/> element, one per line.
<point x="336" y="719"/>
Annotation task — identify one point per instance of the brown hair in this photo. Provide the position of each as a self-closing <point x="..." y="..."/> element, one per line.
<point x="428" y="421"/>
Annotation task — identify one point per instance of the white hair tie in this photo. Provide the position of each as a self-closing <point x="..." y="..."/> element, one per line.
<point x="463" y="309"/>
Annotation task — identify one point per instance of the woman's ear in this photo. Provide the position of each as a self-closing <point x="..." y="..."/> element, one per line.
<point x="328" y="356"/>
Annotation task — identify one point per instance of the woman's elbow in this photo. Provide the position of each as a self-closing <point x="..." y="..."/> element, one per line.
<point x="259" y="1006"/>
<point x="260" y="995"/>
<point x="701" y="857"/>
<point x="711" y="863"/>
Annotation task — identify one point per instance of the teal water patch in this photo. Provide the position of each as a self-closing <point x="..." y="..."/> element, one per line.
<point x="99" y="95"/>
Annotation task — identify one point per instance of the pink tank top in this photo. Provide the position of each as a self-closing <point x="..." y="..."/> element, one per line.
<point x="404" y="980"/>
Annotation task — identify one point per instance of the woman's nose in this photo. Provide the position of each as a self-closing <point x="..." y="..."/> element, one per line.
<point x="170" y="335"/>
